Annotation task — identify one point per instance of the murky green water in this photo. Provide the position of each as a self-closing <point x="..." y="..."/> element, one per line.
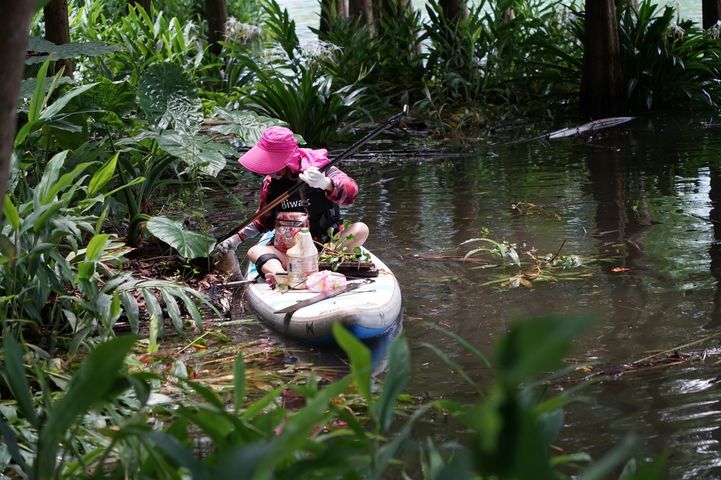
<point x="632" y="197"/>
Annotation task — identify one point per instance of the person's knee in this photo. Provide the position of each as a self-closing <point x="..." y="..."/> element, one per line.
<point x="256" y="251"/>
<point x="363" y="232"/>
<point x="359" y="232"/>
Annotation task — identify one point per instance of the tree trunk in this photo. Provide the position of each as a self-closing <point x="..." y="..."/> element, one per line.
<point x="711" y="13"/>
<point x="602" y="92"/>
<point x="14" y="23"/>
<point x="454" y="9"/>
<point x="361" y="9"/>
<point x="216" y="14"/>
<point x="340" y="8"/>
<point x="57" y="29"/>
<point x="142" y="3"/>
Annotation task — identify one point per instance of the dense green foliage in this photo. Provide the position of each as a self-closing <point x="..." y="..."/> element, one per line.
<point x="150" y="108"/>
<point x="666" y="62"/>
<point x="510" y="428"/>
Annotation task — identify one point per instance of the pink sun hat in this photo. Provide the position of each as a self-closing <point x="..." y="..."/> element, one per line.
<point x="275" y="148"/>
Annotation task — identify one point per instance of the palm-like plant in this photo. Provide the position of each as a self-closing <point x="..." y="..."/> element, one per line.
<point x="290" y="88"/>
<point x="309" y="104"/>
<point x="665" y="61"/>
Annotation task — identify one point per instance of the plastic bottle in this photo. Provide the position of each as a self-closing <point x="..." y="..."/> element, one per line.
<point x="302" y="259"/>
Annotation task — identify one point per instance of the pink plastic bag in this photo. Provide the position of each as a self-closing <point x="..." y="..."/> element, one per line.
<point x="325" y="281"/>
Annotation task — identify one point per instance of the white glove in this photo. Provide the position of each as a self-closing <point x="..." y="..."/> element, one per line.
<point x="227" y="245"/>
<point x="315" y="178"/>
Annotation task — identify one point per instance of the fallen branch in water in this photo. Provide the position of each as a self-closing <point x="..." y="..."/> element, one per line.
<point x="452" y="258"/>
<point x="676" y="349"/>
<point x="586" y="128"/>
<point x="589" y="127"/>
<point x="525" y="208"/>
<point x="670" y="357"/>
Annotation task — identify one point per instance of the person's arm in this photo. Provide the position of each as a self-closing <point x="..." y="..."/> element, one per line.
<point x="253" y="229"/>
<point x="343" y="189"/>
<point x="263" y="223"/>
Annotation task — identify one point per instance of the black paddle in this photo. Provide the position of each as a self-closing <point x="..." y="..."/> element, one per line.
<point x="281" y="198"/>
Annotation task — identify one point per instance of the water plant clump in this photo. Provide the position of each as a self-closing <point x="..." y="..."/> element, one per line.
<point x="528" y="264"/>
<point x="334" y="253"/>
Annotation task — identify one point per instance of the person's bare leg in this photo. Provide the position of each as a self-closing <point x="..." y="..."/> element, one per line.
<point x="271" y="267"/>
<point x="359" y="231"/>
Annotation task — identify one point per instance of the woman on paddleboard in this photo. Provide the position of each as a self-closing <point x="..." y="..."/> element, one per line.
<point x="316" y="205"/>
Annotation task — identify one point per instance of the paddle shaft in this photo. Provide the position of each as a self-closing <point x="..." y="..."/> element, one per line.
<point x="284" y="196"/>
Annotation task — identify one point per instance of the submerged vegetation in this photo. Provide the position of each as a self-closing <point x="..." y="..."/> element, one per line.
<point x="135" y="103"/>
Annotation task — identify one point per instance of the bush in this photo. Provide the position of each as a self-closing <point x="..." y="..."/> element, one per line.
<point x="666" y="61"/>
<point x="508" y="430"/>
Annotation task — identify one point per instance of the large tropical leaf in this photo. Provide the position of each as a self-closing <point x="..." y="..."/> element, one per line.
<point x="66" y="50"/>
<point x="197" y="152"/>
<point x="188" y="244"/>
<point x="247" y="126"/>
<point x="169" y="99"/>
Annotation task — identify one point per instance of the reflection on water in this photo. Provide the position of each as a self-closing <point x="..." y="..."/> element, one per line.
<point x="644" y="197"/>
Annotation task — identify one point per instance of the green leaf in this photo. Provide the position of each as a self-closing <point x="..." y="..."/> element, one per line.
<point x="11" y="442"/>
<point x="389" y="450"/>
<point x="260" y="405"/>
<point x="153" y="334"/>
<point x="239" y="382"/>
<point x="191" y="307"/>
<point x="66" y="50"/>
<point x="242" y="462"/>
<point x="171" y="306"/>
<point x="62" y="102"/>
<point x="188" y="244"/>
<point x="11" y="213"/>
<point x="93" y="380"/>
<point x="360" y="360"/>
<point x="612" y="459"/>
<point x="180" y="454"/>
<point x="17" y="378"/>
<point x="154" y="309"/>
<point x="63" y="182"/>
<point x="169" y="99"/>
<point x="198" y="153"/>
<point x="9" y="251"/>
<point x="135" y="181"/>
<point x="38" y="98"/>
<point x="130" y="305"/>
<point x="247" y="126"/>
<point x="115" y="309"/>
<point x="102" y="176"/>
<point x="296" y="430"/>
<point x="399" y="372"/>
<point x="49" y="178"/>
<point x="654" y="470"/>
<point x="96" y="246"/>
<point x="535" y="346"/>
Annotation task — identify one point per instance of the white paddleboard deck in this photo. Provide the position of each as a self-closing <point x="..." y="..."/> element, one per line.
<point x="367" y="311"/>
